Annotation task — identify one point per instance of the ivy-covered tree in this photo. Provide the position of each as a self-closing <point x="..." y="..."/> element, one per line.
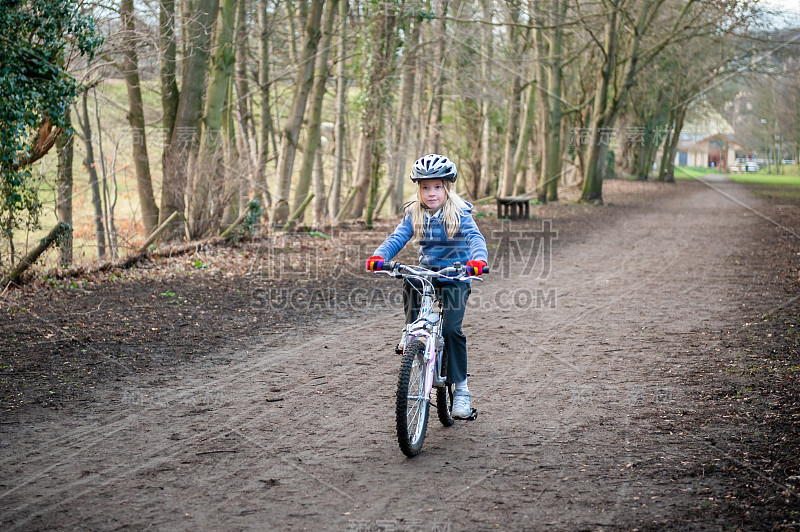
<point x="39" y="40"/>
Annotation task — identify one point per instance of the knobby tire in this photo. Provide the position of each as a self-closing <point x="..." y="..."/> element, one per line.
<point x="411" y="432"/>
<point x="444" y="398"/>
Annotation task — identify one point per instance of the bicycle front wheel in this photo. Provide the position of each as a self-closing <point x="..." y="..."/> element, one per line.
<point x="412" y="405"/>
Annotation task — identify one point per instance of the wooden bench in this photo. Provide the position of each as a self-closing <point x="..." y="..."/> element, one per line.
<point x="513" y="207"/>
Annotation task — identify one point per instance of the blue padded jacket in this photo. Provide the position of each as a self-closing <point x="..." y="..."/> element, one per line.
<point x="436" y="250"/>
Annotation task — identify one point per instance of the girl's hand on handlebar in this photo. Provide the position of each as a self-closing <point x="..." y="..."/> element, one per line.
<point x="375" y="263"/>
<point x="475" y="267"/>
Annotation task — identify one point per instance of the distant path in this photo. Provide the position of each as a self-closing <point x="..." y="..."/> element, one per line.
<point x="580" y="423"/>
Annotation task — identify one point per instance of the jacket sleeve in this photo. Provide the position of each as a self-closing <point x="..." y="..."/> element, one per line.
<point x="395" y="242"/>
<point x="474" y="238"/>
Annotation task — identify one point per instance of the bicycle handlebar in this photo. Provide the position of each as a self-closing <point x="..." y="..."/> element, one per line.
<point x="392" y="266"/>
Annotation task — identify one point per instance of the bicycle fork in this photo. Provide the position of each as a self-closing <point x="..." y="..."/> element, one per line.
<point x="432" y="359"/>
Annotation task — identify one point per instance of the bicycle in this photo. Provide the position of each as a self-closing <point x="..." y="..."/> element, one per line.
<point x="423" y="367"/>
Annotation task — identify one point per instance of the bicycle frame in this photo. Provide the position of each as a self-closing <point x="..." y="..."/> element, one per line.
<point x="421" y="368"/>
<point x="428" y="325"/>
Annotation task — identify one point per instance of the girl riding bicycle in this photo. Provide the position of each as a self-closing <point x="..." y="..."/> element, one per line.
<point x="442" y="224"/>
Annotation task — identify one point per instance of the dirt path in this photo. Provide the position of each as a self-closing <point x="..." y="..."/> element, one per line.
<point x="590" y="376"/>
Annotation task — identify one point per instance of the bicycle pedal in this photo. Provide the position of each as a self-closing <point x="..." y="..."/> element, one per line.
<point x="473" y="415"/>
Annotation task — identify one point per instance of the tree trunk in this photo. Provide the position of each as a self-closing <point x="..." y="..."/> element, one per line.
<point x="170" y="96"/>
<point x="167" y="52"/>
<point x="506" y="184"/>
<point x="592" y="182"/>
<point x="318" y="206"/>
<point x="652" y="142"/>
<point x="521" y="151"/>
<point x="646" y="142"/>
<point x="403" y="121"/>
<point x="232" y="185"/>
<point x="435" y="117"/>
<point x="314" y="111"/>
<point x="512" y="133"/>
<point x="540" y="49"/>
<point x="208" y="178"/>
<point x="248" y="150"/>
<point x="554" y="86"/>
<point x="130" y="70"/>
<point x="266" y="136"/>
<point x="183" y="141"/>
<point x="665" y="153"/>
<point x="341" y="110"/>
<point x="531" y="176"/>
<point x="302" y="10"/>
<point x="94" y="184"/>
<point x="65" y="145"/>
<point x="649" y="154"/>
<point x="291" y="127"/>
<point x="378" y="79"/>
<point x="604" y="111"/>
<point x="669" y="176"/>
<point x="57" y="232"/>
<point x="486" y="131"/>
<point x="108" y="202"/>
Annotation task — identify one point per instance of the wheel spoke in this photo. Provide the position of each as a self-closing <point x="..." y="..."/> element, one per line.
<point x="416" y="420"/>
<point x="416" y="400"/>
<point x="413" y="408"/>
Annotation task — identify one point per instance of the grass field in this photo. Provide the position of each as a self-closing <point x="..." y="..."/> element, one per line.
<point x="786" y="170"/>
<point x="784" y="187"/>
<point x="693" y="172"/>
<point x="791" y="178"/>
<point x="761" y="184"/>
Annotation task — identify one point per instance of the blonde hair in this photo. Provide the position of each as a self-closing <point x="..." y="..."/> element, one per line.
<point x="452" y="210"/>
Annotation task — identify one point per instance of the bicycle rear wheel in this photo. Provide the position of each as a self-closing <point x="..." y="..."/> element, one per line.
<point x="444" y="399"/>
<point x="411" y="413"/>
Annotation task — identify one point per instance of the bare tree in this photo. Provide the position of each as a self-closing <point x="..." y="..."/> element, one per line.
<point x="434" y="133"/>
<point x="129" y="65"/>
<point x="506" y="184"/>
<point x="397" y="163"/>
<point x="207" y="181"/>
<point x="266" y="135"/>
<point x="487" y="51"/>
<point x="85" y="133"/>
<point x="198" y="28"/>
<point x="339" y="126"/>
<point x="314" y="112"/>
<point x="377" y="85"/>
<point x="291" y="127"/>
<point x="65" y="146"/>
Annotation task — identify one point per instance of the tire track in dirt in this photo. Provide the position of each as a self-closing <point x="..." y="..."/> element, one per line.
<point x="580" y="340"/>
<point x="563" y="359"/>
<point x="102" y="432"/>
<point x="298" y="468"/>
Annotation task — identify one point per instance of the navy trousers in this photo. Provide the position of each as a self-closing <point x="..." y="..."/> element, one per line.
<point x="454" y="302"/>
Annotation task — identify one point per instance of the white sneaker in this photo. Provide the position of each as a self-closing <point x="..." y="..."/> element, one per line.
<point x="461" y="404"/>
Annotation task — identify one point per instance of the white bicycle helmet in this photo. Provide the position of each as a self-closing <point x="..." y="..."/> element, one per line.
<point x="434" y="166"/>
